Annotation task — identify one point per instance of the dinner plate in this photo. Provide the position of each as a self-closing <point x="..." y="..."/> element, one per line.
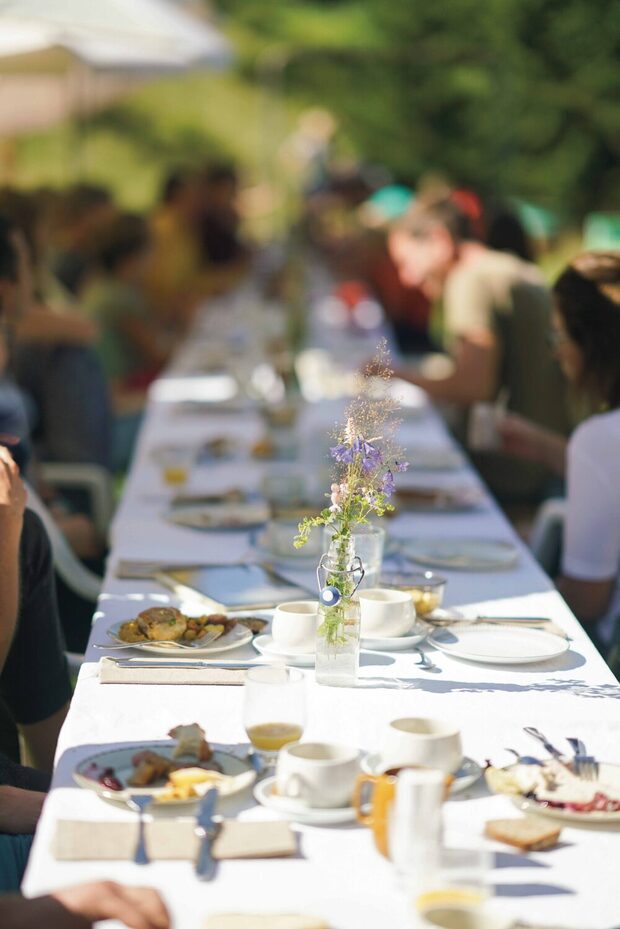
<point x="237" y="636"/>
<point x="438" y="499"/>
<point x="228" y="516"/>
<point x="462" y="553"/>
<point x="297" y="811"/>
<point x="241" y="773"/>
<point x="309" y="554"/>
<point x="491" y="644"/>
<point x="434" y="458"/>
<point x="466" y="775"/>
<point x="608" y="774"/>
<point x="396" y="643"/>
<point x="265" y="645"/>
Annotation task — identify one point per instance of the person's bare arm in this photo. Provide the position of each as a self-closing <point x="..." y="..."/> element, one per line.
<point x="525" y="439"/>
<point x="12" y="505"/>
<point x="80" y="907"/>
<point x="474" y="375"/>
<point x="40" y="325"/>
<point x="587" y="599"/>
<point x="19" y="810"/>
<point x="143" y="336"/>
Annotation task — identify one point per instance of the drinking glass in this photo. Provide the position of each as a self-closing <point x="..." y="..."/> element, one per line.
<point x="274" y="708"/>
<point x="458" y="880"/>
<point x="176" y="463"/>
<point x="368" y="543"/>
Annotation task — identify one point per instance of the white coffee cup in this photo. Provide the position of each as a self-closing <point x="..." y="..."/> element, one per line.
<point x="430" y="743"/>
<point x="294" y="624"/>
<point x="385" y="613"/>
<point x="318" y="774"/>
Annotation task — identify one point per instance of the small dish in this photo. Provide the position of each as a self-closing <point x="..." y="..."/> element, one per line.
<point x="466" y="775"/>
<point x="265" y="645"/>
<point x="220" y="516"/>
<point x="489" y="644"/>
<point x="397" y="643"/>
<point x="462" y="553"/>
<point x="297" y="811"/>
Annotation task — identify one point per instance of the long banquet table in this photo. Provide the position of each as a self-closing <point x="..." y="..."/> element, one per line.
<point x="337" y="875"/>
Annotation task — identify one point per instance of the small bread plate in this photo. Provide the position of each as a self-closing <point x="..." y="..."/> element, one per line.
<point x="220" y="516"/>
<point x="297" y="811"/>
<point x="489" y="644"/>
<point x="522" y="783"/>
<point x="266" y="646"/>
<point x="308" y="555"/>
<point x="466" y="775"/>
<point x="434" y="458"/>
<point x="235" y="774"/>
<point x="237" y="636"/>
<point x="399" y="643"/>
<point x="462" y="554"/>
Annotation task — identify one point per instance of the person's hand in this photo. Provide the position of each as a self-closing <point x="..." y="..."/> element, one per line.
<point x="136" y="907"/>
<point x="12" y="491"/>
<point x="520" y="437"/>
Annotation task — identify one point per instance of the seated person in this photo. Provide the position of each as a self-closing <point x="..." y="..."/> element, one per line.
<point x="496" y="312"/>
<point x="586" y="337"/>
<point x="34" y="680"/>
<point x="82" y="906"/>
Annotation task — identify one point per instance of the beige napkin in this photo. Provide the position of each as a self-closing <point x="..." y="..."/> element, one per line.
<point x="75" y="840"/>
<point x="110" y="673"/>
<point x="264" y="921"/>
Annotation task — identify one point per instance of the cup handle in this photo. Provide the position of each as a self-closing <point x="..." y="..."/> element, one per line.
<point x="359" y="801"/>
<point x="294" y="787"/>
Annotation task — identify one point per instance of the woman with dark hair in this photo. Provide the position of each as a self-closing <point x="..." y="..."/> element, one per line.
<point x="586" y="341"/>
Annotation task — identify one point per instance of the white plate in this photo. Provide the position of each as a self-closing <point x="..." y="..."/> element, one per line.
<point x="241" y="773"/>
<point x="438" y="499"/>
<point x="265" y="645"/>
<point x="465" y="554"/>
<point x="396" y="643"/>
<point x="467" y="774"/>
<point x="222" y="516"/>
<point x="296" y="811"/>
<point x="238" y="635"/>
<point x="434" y="458"/>
<point x="293" y="556"/>
<point x="490" y="644"/>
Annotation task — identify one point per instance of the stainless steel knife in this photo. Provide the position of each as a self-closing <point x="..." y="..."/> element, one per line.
<point x="185" y="663"/>
<point x="206" y="830"/>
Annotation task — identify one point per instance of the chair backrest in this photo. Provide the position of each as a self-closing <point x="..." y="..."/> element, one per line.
<point x="78" y="578"/>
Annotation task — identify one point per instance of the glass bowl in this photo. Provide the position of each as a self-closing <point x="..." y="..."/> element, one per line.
<point x="426" y="588"/>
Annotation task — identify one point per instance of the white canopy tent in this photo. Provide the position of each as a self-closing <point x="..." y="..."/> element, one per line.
<point x="59" y="57"/>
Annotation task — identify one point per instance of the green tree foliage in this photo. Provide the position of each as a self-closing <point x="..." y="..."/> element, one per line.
<point x="510" y="96"/>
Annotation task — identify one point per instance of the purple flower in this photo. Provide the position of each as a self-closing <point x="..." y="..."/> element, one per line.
<point x="342" y="453"/>
<point x="401" y="465"/>
<point x="387" y="485"/>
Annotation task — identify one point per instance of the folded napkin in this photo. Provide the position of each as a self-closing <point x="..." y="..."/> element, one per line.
<point x="264" y="921"/>
<point x="110" y="673"/>
<point x="75" y="840"/>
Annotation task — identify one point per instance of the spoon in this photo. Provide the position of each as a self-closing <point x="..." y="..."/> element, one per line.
<point x="425" y="663"/>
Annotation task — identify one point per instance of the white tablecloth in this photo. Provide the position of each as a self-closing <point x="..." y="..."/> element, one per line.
<point x="338" y="874"/>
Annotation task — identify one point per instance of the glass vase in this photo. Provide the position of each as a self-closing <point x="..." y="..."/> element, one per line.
<point x="340" y="573"/>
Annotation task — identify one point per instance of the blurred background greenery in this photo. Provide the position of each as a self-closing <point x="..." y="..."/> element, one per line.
<point x="511" y="97"/>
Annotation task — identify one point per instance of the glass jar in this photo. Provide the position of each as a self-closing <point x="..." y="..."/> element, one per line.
<point x="339" y="574"/>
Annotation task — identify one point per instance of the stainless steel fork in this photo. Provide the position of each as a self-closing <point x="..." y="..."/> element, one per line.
<point x="584" y="765"/>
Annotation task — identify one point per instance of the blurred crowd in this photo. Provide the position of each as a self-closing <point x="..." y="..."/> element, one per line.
<point x="93" y="301"/>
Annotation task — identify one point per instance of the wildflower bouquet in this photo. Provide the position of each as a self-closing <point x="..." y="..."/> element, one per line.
<point x="366" y="459"/>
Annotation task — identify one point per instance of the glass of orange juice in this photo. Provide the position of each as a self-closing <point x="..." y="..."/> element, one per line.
<point x="176" y="463"/>
<point x="274" y="708"/>
<point x="457" y="881"/>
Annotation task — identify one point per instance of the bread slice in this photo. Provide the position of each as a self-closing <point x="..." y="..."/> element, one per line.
<point x="530" y="834"/>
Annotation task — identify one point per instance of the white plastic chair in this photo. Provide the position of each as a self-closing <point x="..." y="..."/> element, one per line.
<point x="547" y="532"/>
<point x="91" y="478"/>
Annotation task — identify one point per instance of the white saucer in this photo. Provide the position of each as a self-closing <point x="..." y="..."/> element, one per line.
<point x="298" y="812"/>
<point x="490" y="644"/>
<point x="265" y="645"/>
<point x="467" y="774"/>
<point x="396" y="643"/>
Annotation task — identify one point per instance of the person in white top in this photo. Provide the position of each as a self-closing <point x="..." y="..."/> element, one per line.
<point x="586" y="339"/>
